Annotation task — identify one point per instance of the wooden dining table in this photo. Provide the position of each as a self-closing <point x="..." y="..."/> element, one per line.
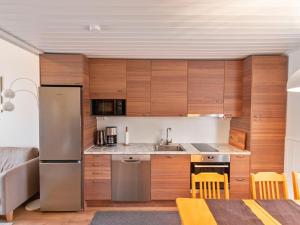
<point x="238" y="212"/>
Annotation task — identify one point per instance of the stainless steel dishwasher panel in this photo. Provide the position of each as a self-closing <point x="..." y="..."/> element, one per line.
<point x="131" y="178"/>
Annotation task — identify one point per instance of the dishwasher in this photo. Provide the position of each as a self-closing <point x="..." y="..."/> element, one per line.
<point x="131" y="176"/>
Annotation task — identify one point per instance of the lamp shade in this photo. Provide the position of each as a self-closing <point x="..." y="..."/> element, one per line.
<point x="8" y="93"/>
<point x="8" y="106"/>
<point x="293" y="84"/>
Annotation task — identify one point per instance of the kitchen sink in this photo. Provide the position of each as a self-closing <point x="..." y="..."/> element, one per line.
<point x="170" y="148"/>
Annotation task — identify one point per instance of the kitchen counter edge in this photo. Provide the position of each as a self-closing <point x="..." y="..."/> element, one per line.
<point x="139" y="149"/>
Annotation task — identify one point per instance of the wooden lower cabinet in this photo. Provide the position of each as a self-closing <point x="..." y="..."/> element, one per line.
<point x="97" y="177"/>
<point x="239" y="176"/>
<point x="170" y="176"/>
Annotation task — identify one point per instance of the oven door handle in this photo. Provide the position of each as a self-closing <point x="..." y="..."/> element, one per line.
<point x="211" y="166"/>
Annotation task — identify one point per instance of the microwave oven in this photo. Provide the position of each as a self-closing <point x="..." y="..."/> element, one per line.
<point x="109" y="107"/>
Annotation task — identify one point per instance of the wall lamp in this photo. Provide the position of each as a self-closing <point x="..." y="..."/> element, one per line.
<point x="10" y="94"/>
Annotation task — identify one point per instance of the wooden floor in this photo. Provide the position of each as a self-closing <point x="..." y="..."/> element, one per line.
<point x="23" y="217"/>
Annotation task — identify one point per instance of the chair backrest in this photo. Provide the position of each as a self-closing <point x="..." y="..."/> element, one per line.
<point x="210" y="185"/>
<point x="296" y="180"/>
<point x="269" y="185"/>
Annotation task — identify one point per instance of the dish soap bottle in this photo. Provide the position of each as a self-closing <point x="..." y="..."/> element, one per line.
<point x="126" y="136"/>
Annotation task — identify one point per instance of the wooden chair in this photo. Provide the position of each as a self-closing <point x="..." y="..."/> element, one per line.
<point x="269" y="184"/>
<point x="296" y="178"/>
<point x="209" y="185"/>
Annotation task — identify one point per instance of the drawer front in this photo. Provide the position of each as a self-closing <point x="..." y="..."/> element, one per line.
<point x="97" y="189"/>
<point x="102" y="159"/>
<point x="97" y="167"/>
<point x="239" y="187"/>
<point x="239" y="166"/>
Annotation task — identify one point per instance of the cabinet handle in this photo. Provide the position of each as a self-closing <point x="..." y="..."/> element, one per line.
<point x="228" y="116"/>
<point x="95" y="164"/>
<point x="96" y="173"/>
<point x="170" y="156"/>
<point x="96" y="182"/>
<point x="240" y="179"/>
<point x="240" y="156"/>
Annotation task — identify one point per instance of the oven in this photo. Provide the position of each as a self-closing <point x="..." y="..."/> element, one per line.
<point x="214" y="163"/>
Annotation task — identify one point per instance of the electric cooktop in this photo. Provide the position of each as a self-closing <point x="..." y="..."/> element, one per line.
<point x="201" y="147"/>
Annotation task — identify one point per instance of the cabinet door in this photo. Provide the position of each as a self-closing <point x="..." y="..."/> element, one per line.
<point x="62" y="69"/>
<point x="170" y="177"/>
<point x="107" y="79"/>
<point x="169" y="88"/>
<point x="239" y="176"/>
<point x="205" y="87"/>
<point x="97" y="177"/>
<point x="138" y="87"/>
<point x="233" y="88"/>
<point x="269" y="78"/>
<point x="267" y="144"/>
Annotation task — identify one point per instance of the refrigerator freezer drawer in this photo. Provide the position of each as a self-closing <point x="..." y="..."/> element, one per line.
<point x="60" y="186"/>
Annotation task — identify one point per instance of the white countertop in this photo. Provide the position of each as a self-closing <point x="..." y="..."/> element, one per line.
<point x="143" y="148"/>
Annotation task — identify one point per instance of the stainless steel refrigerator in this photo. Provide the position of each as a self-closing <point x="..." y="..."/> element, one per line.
<point x="60" y="148"/>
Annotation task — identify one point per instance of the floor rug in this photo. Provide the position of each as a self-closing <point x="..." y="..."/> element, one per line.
<point x="136" y="218"/>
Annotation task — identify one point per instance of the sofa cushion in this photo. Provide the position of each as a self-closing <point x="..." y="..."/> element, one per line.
<point x="11" y="156"/>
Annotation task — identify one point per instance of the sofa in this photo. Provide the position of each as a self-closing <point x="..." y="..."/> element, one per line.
<point x="19" y="177"/>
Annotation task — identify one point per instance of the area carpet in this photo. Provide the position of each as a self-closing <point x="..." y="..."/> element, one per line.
<point x="136" y="218"/>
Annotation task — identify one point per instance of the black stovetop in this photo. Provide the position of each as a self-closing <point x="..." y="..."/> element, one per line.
<point x="201" y="147"/>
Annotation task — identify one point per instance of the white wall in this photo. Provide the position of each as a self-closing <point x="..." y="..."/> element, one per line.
<point x="292" y="147"/>
<point x="184" y="129"/>
<point x="20" y="127"/>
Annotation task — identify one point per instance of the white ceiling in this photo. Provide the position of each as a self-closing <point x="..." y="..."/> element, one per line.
<point x="155" y="28"/>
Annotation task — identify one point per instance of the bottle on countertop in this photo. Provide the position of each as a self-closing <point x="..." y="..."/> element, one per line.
<point x="126" y="136"/>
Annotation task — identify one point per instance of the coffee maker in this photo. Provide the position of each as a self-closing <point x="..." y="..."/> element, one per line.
<point x="100" y="137"/>
<point x="111" y="136"/>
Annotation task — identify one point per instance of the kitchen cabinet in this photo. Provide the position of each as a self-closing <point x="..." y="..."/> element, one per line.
<point x="62" y="69"/>
<point x="97" y="177"/>
<point x="267" y="144"/>
<point x="205" y="87"/>
<point x="170" y="176"/>
<point x="264" y="116"/>
<point x="107" y="78"/>
<point x="239" y="176"/>
<point x="269" y="80"/>
<point x="71" y="69"/>
<point x="233" y="88"/>
<point x="169" y="88"/>
<point x="138" y="87"/>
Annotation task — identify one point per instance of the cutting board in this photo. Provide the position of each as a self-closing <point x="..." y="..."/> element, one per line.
<point x="237" y="138"/>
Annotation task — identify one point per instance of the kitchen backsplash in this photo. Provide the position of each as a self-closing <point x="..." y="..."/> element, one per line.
<point x="184" y="129"/>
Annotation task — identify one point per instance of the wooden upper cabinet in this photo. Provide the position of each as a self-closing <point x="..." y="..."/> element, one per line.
<point x="62" y="69"/>
<point x="169" y="88"/>
<point x="269" y="86"/>
<point x="107" y="78"/>
<point x="233" y="88"/>
<point x="138" y="87"/>
<point x="205" y="87"/>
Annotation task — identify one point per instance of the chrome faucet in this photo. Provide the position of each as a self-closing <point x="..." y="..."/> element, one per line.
<point x="167" y="140"/>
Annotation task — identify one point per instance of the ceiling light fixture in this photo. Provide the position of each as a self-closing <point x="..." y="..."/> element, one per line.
<point x="94" y="28"/>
